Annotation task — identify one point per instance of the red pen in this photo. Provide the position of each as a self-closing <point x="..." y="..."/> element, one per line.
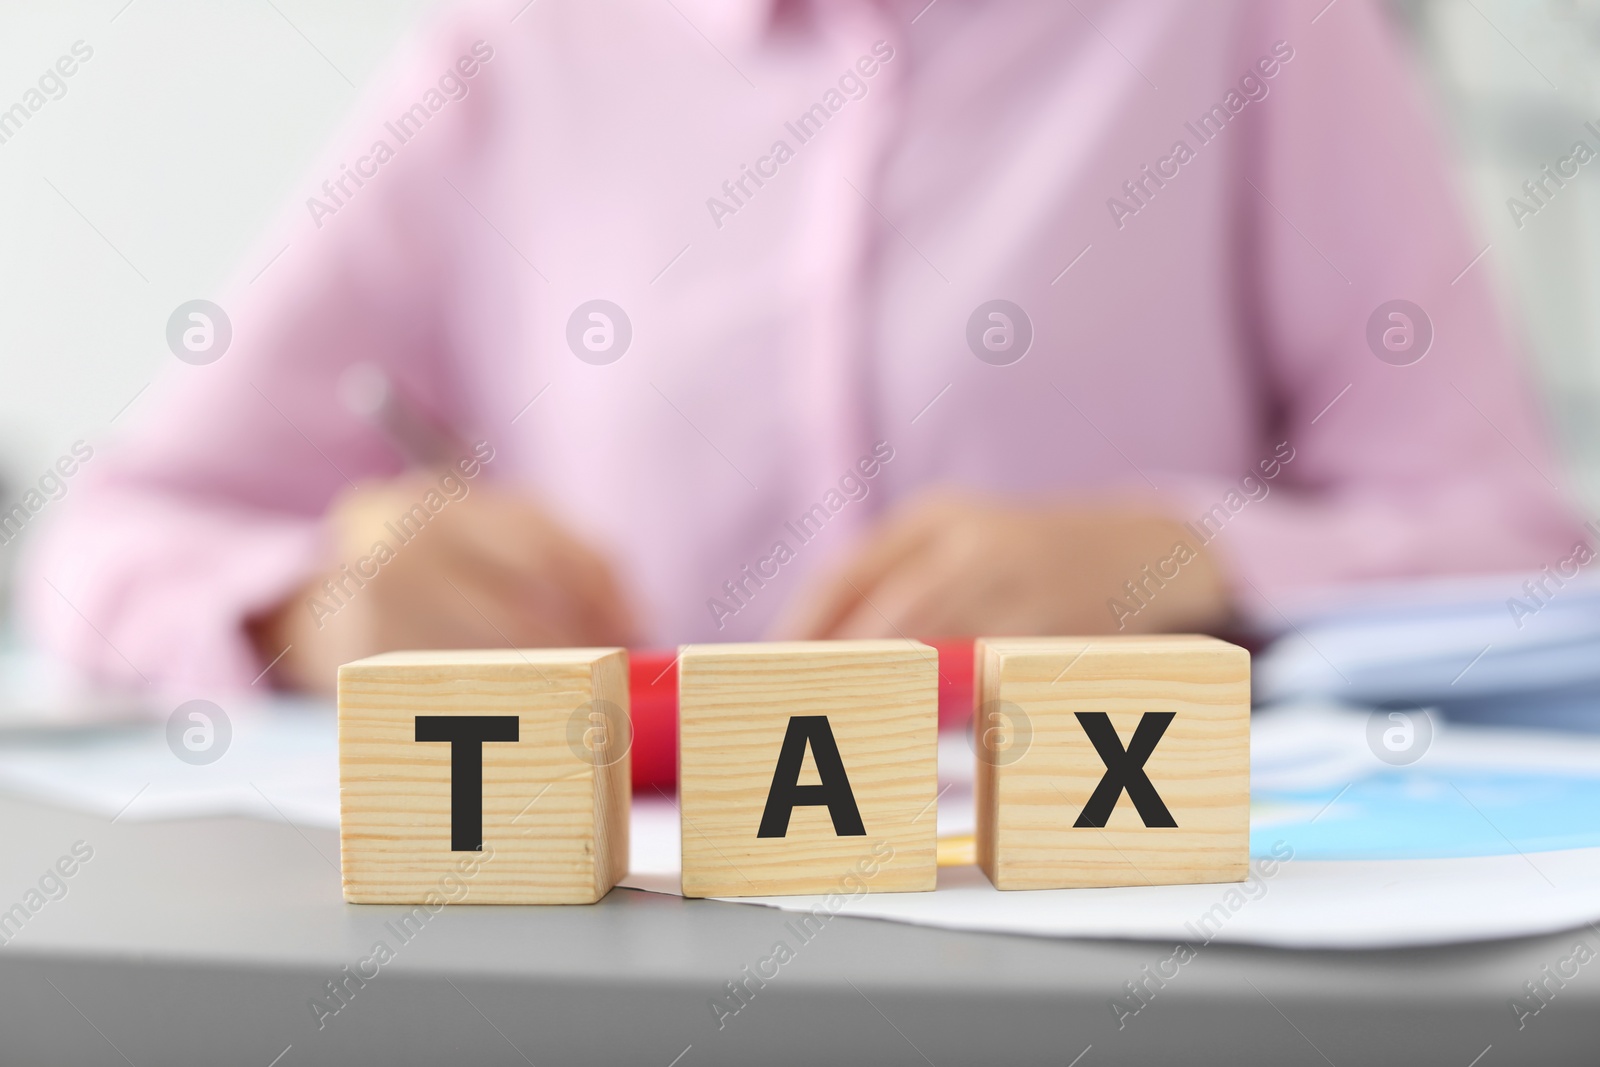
<point x="653" y="694"/>
<point x="370" y="393"/>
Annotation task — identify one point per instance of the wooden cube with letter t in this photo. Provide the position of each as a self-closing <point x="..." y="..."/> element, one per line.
<point x="1112" y="761"/>
<point x="488" y="777"/>
<point x="801" y="764"/>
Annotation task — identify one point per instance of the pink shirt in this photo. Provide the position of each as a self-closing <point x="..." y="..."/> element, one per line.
<point x="800" y="205"/>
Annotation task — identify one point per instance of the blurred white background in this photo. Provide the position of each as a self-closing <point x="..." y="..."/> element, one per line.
<point x="150" y="182"/>
<point x="1515" y="81"/>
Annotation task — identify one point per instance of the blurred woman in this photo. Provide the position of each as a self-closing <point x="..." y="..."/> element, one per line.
<point x="823" y="318"/>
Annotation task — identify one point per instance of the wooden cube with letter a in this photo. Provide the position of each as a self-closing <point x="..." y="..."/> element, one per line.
<point x="802" y="764"/>
<point x="489" y="777"/>
<point x="1112" y="761"/>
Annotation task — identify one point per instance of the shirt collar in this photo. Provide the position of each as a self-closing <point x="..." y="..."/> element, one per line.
<point x="737" y="22"/>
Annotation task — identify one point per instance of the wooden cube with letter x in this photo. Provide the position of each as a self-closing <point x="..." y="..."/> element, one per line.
<point x="484" y="777"/>
<point x="1112" y="761"/>
<point x="808" y="767"/>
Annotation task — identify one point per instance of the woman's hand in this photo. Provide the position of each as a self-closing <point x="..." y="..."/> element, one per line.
<point x="488" y="569"/>
<point x="956" y="564"/>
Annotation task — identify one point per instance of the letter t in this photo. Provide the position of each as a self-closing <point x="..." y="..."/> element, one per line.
<point x="466" y="734"/>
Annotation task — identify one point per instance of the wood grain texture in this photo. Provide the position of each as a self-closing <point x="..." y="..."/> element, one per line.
<point x="1037" y="769"/>
<point x="734" y="706"/>
<point x="555" y="802"/>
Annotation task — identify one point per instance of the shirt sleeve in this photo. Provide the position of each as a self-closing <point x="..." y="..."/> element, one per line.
<point x="210" y="508"/>
<point x="1411" y="456"/>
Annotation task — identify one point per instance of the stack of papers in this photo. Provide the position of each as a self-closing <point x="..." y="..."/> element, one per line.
<point x="1515" y="649"/>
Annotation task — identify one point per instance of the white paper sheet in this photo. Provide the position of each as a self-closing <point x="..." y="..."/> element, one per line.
<point x="1316" y="787"/>
<point x="279" y="765"/>
<point x="1352" y="902"/>
<point x="1304" y="904"/>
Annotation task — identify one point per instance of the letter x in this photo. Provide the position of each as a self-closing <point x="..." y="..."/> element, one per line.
<point x="1125" y="768"/>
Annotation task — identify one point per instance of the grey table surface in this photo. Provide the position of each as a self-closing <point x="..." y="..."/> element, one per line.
<point x="207" y="942"/>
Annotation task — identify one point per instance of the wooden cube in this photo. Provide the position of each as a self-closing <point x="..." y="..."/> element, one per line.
<point x="808" y="767"/>
<point x="1112" y="761"/>
<point x="484" y="777"/>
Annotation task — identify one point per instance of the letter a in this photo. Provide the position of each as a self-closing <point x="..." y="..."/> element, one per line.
<point x="787" y="793"/>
